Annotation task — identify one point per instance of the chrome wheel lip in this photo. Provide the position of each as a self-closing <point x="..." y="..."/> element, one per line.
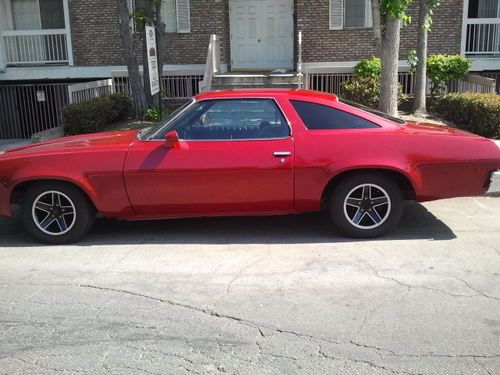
<point x="383" y="219"/>
<point x="70" y="210"/>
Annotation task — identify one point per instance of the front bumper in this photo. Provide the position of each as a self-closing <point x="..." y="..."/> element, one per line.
<point x="494" y="187"/>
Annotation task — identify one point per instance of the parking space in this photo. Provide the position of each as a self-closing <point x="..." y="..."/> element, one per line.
<point x="257" y="296"/>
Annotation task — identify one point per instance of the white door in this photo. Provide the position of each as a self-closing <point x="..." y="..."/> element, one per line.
<point x="261" y="34"/>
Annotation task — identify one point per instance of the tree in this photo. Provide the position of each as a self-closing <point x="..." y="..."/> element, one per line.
<point x="424" y="24"/>
<point x="146" y="12"/>
<point x="388" y="17"/>
<point x="136" y="86"/>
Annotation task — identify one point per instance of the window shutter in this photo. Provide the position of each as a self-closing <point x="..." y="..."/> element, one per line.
<point x="169" y="15"/>
<point x="368" y="14"/>
<point x="183" y="17"/>
<point x="336" y="14"/>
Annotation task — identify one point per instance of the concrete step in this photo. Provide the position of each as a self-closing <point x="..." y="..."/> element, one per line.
<point x="246" y="80"/>
<point x="254" y="86"/>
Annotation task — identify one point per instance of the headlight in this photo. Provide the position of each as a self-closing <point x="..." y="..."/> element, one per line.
<point x="2" y="152"/>
<point x="497" y="141"/>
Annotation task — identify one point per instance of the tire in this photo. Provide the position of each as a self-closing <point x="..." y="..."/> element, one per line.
<point x="366" y="205"/>
<point x="56" y="213"/>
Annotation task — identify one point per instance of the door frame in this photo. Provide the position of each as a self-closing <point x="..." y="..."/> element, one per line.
<point x="231" y="43"/>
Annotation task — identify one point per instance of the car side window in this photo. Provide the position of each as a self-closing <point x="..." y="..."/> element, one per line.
<point x="232" y="119"/>
<point x="321" y="117"/>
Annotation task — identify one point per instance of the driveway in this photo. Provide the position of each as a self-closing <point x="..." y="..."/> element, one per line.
<point x="279" y="295"/>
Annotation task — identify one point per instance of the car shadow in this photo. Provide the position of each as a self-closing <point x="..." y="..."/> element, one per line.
<point x="417" y="223"/>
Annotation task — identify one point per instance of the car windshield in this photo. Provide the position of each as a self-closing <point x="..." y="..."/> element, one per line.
<point x="374" y="111"/>
<point x="148" y="132"/>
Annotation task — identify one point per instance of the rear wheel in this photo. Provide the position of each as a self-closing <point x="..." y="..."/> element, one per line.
<point x="56" y="213"/>
<point x="366" y="205"/>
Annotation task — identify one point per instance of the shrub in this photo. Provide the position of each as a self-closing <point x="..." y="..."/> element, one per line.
<point x="368" y="68"/>
<point x="364" y="91"/>
<point x="94" y="115"/>
<point x="121" y="106"/>
<point x="442" y="68"/>
<point x="477" y="113"/>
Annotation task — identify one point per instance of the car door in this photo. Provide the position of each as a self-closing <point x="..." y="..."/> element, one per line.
<point x="234" y="156"/>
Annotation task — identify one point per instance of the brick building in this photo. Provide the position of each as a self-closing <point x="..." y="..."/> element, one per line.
<point x="58" y="42"/>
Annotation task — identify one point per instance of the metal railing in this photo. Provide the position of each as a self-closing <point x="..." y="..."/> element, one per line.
<point x="83" y="92"/>
<point x="31" y="108"/>
<point x="212" y="66"/>
<point x="36" y="47"/>
<point x="332" y="82"/>
<point x="472" y="83"/>
<point x="176" y="86"/>
<point x="482" y="37"/>
<point x="300" y="70"/>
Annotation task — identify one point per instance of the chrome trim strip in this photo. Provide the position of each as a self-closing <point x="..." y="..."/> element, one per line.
<point x="494" y="187"/>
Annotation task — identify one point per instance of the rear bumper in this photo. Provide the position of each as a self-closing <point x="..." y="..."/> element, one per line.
<point x="494" y="187"/>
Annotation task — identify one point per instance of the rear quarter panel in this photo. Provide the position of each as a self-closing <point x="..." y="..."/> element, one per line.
<point x="439" y="164"/>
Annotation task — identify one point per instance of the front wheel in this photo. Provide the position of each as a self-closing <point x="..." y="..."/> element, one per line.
<point x="366" y="205"/>
<point x="56" y="213"/>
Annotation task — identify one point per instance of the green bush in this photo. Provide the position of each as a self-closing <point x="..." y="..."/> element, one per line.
<point x="476" y="113"/>
<point x="369" y="68"/>
<point x="442" y="68"/>
<point x="362" y="90"/>
<point x="96" y="114"/>
<point x="121" y="106"/>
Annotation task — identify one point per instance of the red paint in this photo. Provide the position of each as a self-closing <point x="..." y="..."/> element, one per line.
<point x="131" y="179"/>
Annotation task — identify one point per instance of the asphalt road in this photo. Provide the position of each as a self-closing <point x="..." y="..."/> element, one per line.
<point x="277" y="295"/>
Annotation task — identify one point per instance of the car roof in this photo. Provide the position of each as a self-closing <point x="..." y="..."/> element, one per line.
<point x="256" y="93"/>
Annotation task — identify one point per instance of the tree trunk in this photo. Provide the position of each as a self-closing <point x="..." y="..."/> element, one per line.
<point x="160" y="39"/>
<point x="377" y="30"/>
<point x="389" y="56"/>
<point x="419" y="101"/>
<point x="138" y="97"/>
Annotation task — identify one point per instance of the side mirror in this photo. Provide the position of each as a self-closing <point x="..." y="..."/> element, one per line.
<point x="171" y="139"/>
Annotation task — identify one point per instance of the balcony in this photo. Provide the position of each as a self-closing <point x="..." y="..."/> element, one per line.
<point x="36" y="47"/>
<point x="34" y="33"/>
<point x="482" y="37"/>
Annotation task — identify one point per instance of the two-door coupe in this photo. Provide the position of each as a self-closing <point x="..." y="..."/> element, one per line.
<point x="248" y="152"/>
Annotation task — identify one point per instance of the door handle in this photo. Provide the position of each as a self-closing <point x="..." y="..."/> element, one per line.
<point x="282" y="154"/>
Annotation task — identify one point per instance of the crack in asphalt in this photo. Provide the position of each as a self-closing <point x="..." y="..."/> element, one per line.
<point x="280" y="330"/>
<point x="478" y="293"/>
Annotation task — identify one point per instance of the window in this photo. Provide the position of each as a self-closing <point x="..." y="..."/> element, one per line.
<point x="321" y="117"/>
<point x="373" y="111"/>
<point x="229" y="119"/>
<point x="37" y="14"/>
<point x="175" y="14"/>
<point x="350" y="14"/>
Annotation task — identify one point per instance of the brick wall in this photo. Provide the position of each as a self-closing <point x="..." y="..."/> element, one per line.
<point x="95" y="33"/>
<point x="322" y="44"/>
<point x="96" y="37"/>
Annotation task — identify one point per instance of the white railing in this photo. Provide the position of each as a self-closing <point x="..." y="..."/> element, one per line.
<point x="300" y="71"/>
<point x="213" y="65"/>
<point x="482" y="37"/>
<point x="83" y="92"/>
<point x="331" y="82"/>
<point x="23" y="47"/>
<point x="472" y="83"/>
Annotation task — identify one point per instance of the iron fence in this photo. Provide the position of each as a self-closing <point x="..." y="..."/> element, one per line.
<point x="31" y="108"/>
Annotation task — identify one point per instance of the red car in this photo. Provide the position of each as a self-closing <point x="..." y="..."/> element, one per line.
<point x="251" y="152"/>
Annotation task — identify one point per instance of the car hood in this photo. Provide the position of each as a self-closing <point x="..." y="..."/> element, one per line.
<point x="79" y="143"/>
<point x="426" y="128"/>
